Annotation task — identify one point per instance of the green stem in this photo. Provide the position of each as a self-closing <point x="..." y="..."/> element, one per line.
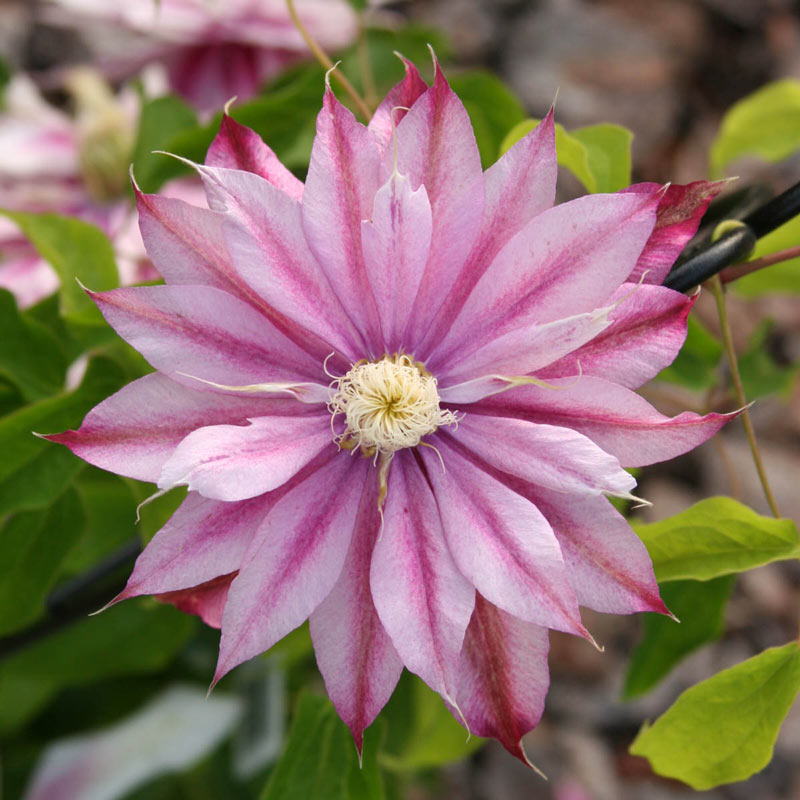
<point x="326" y="62"/>
<point x="719" y="295"/>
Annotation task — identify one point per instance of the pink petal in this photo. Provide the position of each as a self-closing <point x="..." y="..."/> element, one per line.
<point x="396" y="243"/>
<point x="608" y="566"/>
<point x="503" y="676"/>
<point x="436" y="148"/>
<point x="647" y="330"/>
<point x="520" y="351"/>
<point x="205" y="333"/>
<point x="502" y="544"/>
<point x="566" y="261"/>
<point x="519" y="185"/>
<point x="554" y="457"/>
<point x="400" y="98"/>
<point x="618" y="420"/>
<point x="294" y="560"/>
<point x="340" y="190"/>
<point x="354" y="653"/>
<point x="135" y="431"/>
<point x="422" y="599"/>
<point x="238" y="147"/>
<point x="235" y="462"/>
<point x="207" y="600"/>
<point x="264" y="236"/>
<point x="678" y="217"/>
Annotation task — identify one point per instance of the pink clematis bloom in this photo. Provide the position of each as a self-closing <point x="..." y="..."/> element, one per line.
<point x="400" y="395"/>
<point x="44" y="168"/>
<point x="213" y="51"/>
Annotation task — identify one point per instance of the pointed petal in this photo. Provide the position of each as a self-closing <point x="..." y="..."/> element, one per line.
<point x="503" y="676"/>
<point x="205" y="333"/>
<point x="524" y="349"/>
<point x="677" y="219"/>
<point x="568" y="260"/>
<point x="396" y="243"/>
<point x="422" y="599"/>
<point x="436" y="148"/>
<point x="203" y="541"/>
<point x="340" y="190"/>
<point x="293" y="562"/>
<point x="238" y="147"/>
<point x="618" y="420"/>
<point x="207" y="600"/>
<point x="264" y="235"/>
<point x="235" y="462"/>
<point x="135" y="431"/>
<point x="502" y="544"/>
<point x="545" y="455"/>
<point x="519" y="185"/>
<point x="646" y="333"/>
<point x="609" y="567"/>
<point x="400" y="98"/>
<point x="354" y="653"/>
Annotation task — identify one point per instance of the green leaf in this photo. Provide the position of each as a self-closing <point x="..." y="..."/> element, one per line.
<point x="320" y="758"/>
<point x="724" y="729"/>
<point x="598" y="156"/>
<point x="761" y="375"/>
<point x="33" y="545"/>
<point x="31" y="357"/>
<point x="422" y="733"/>
<point x="700" y="607"/>
<point x="134" y="637"/>
<point x="781" y="277"/>
<point x="160" y="122"/>
<point x="32" y="471"/>
<point x="492" y="107"/>
<point x="765" y="124"/>
<point x="697" y="361"/>
<point x="77" y="251"/>
<point x="714" y="537"/>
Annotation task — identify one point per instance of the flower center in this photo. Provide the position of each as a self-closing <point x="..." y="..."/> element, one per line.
<point x="387" y="404"/>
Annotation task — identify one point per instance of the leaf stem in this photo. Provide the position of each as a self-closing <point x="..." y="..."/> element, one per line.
<point x="740" y="270"/>
<point x="719" y="296"/>
<point x="326" y="62"/>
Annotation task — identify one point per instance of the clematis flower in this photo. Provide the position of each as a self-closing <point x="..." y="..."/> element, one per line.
<point x="400" y="396"/>
<point x="213" y="51"/>
<point x="51" y="162"/>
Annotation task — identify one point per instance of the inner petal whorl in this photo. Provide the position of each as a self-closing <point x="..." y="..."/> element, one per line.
<point x="388" y="405"/>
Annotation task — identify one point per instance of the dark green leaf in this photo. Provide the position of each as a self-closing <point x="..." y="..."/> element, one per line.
<point x="700" y="607"/>
<point x="33" y="545"/>
<point x="697" y="361"/>
<point x="320" y="758"/>
<point x="724" y="729"/>
<point x="137" y="636"/>
<point x="761" y="375"/>
<point x="30" y="356"/>
<point x="716" y="536"/>
<point x="77" y="251"/>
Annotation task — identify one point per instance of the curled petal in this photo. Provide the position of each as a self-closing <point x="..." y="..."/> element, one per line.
<point x="395" y="105"/>
<point x="207" y="600"/>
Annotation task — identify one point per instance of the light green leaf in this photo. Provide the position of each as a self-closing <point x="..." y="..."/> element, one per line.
<point x="32" y="471"/>
<point x="598" y="156"/>
<point x="781" y="277"/>
<point x="724" y="729"/>
<point x="714" y="537"/>
<point x="76" y="250"/>
<point x="492" y="108"/>
<point x="422" y="733"/>
<point x="700" y="607"/>
<point x="33" y="545"/>
<point x="31" y="357"/>
<point x="697" y="361"/>
<point x="765" y="124"/>
<point x="320" y="758"/>
<point x="135" y="637"/>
